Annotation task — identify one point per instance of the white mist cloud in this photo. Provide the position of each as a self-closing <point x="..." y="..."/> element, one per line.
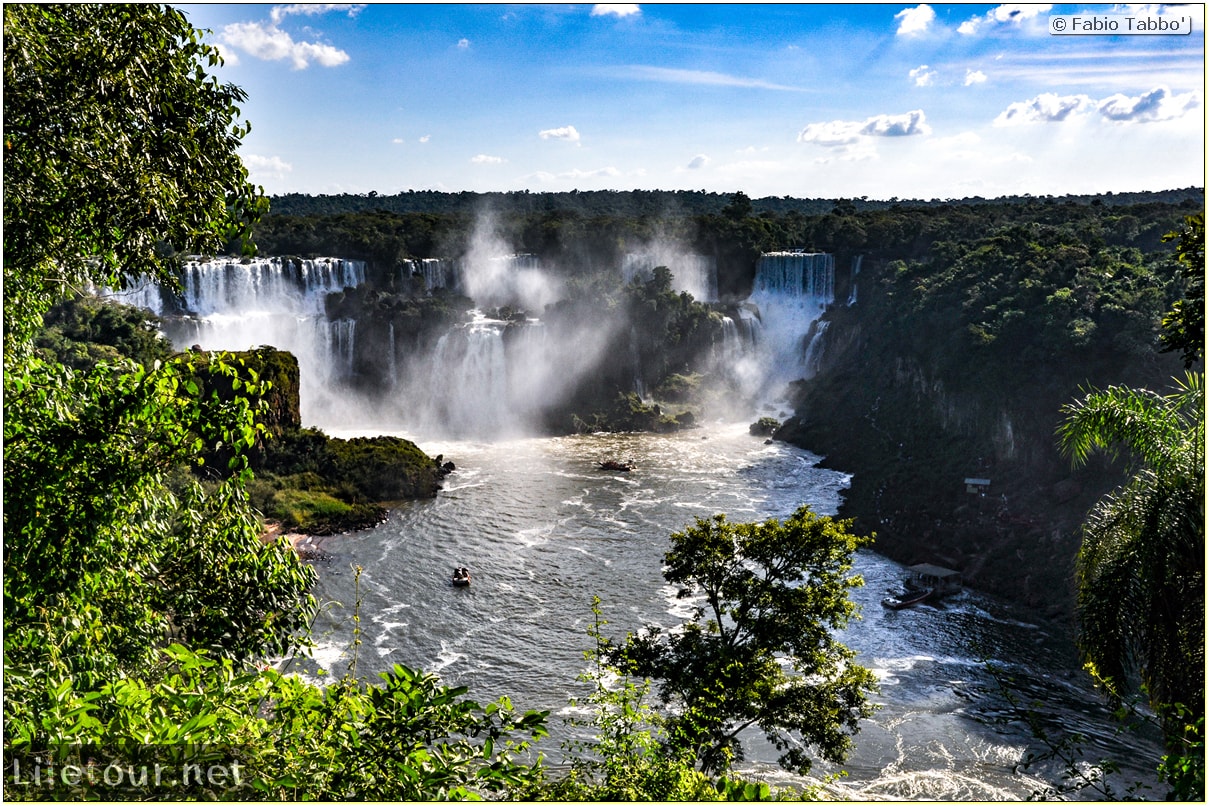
<point x="268" y="42"/>
<point x="566" y="133"/>
<point x="598" y="173"/>
<point x="848" y="132"/>
<point x="311" y="9"/>
<point x="486" y="159"/>
<point x="607" y="172"/>
<point x="1006" y="14"/>
<point x="910" y="124"/>
<point x="701" y="77"/>
<point x="1048" y="107"/>
<point x="915" y="20"/>
<point x="975" y="77"/>
<point x="615" y="9"/>
<point x="426" y="138"/>
<point x="699" y="161"/>
<point x="835" y="133"/>
<point x="1158" y="104"/>
<point x="463" y="44"/>
<point x="922" y="76"/>
<point x="261" y="168"/>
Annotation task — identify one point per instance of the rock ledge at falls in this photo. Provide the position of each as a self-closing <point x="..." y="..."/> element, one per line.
<point x="311" y="483"/>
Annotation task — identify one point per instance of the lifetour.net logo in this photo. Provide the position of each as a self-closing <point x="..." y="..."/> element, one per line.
<point x="144" y="772"/>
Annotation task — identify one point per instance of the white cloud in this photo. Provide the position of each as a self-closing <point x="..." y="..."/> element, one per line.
<point x="1047" y="107"/>
<point x="229" y="57"/>
<point x="267" y="41"/>
<point x="1006" y="14"/>
<point x="463" y="44"/>
<point x="262" y="168"/>
<point x="1158" y="104"/>
<point x="615" y="9"/>
<point x="596" y="174"/>
<point x="915" y="20"/>
<point x="486" y="159"/>
<point x="567" y="133"/>
<point x="311" y="9"/>
<point x="1018" y="12"/>
<point x="397" y="141"/>
<point x="677" y="76"/>
<point x="426" y="138"/>
<point x="922" y="76"/>
<point x="576" y="173"/>
<point x="699" y="161"/>
<point x="849" y="132"/>
<point x="975" y="77"/>
<point x="910" y="124"/>
<point x="835" y="133"/>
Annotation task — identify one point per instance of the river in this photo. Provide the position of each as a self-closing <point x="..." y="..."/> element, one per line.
<point x="543" y="530"/>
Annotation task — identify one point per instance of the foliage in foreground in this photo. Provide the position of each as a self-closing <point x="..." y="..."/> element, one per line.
<point x="770" y="596"/>
<point x="120" y="152"/>
<point x="632" y="754"/>
<point x="200" y="728"/>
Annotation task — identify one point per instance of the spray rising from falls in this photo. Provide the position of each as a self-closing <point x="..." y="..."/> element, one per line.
<point x="692" y="273"/>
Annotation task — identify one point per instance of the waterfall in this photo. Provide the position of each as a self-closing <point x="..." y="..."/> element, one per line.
<point x="466" y="387"/>
<point x="139" y="293"/>
<point x="393" y="366"/>
<point x="233" y="304"/>
<point x="636" y="363"/>
<point x="812" y="355"/>
<point x="856" y="269"/>
<point x="487" y="378"/>
<point x="796" y="274"/>
<point x="436" y="272"/>
<point x="790" y="292"/>
<point x="732" y="344"/>
<point x="279" y="285"/>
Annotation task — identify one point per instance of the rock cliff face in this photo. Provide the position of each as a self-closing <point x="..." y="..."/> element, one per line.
<point x="914" y="420"/>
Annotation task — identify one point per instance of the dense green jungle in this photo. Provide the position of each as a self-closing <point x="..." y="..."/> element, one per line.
<point x="152" y="620"/>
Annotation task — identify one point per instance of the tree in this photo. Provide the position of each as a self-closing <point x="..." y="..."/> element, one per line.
<point x="119" y="153"/>
<point x="771" y="595"/>
<point x="1184" y="324"/>
<point x="1140" y="568"/>
<point x="120" y="150"/>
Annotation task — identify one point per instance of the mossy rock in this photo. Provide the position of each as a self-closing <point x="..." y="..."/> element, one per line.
<point x="385" y="468"/>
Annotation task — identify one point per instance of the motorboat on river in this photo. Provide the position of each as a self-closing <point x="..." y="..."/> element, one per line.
<point x="612" y="464"/>
<point x="926" y="582"/>
<point x="907" y="598"/>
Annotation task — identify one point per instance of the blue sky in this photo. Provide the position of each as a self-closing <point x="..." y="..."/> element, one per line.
<point x="809" y="100"/>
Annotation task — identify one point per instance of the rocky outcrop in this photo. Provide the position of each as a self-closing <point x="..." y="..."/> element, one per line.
<point x="305" y="480"/>
<point x="922" y="434"/>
